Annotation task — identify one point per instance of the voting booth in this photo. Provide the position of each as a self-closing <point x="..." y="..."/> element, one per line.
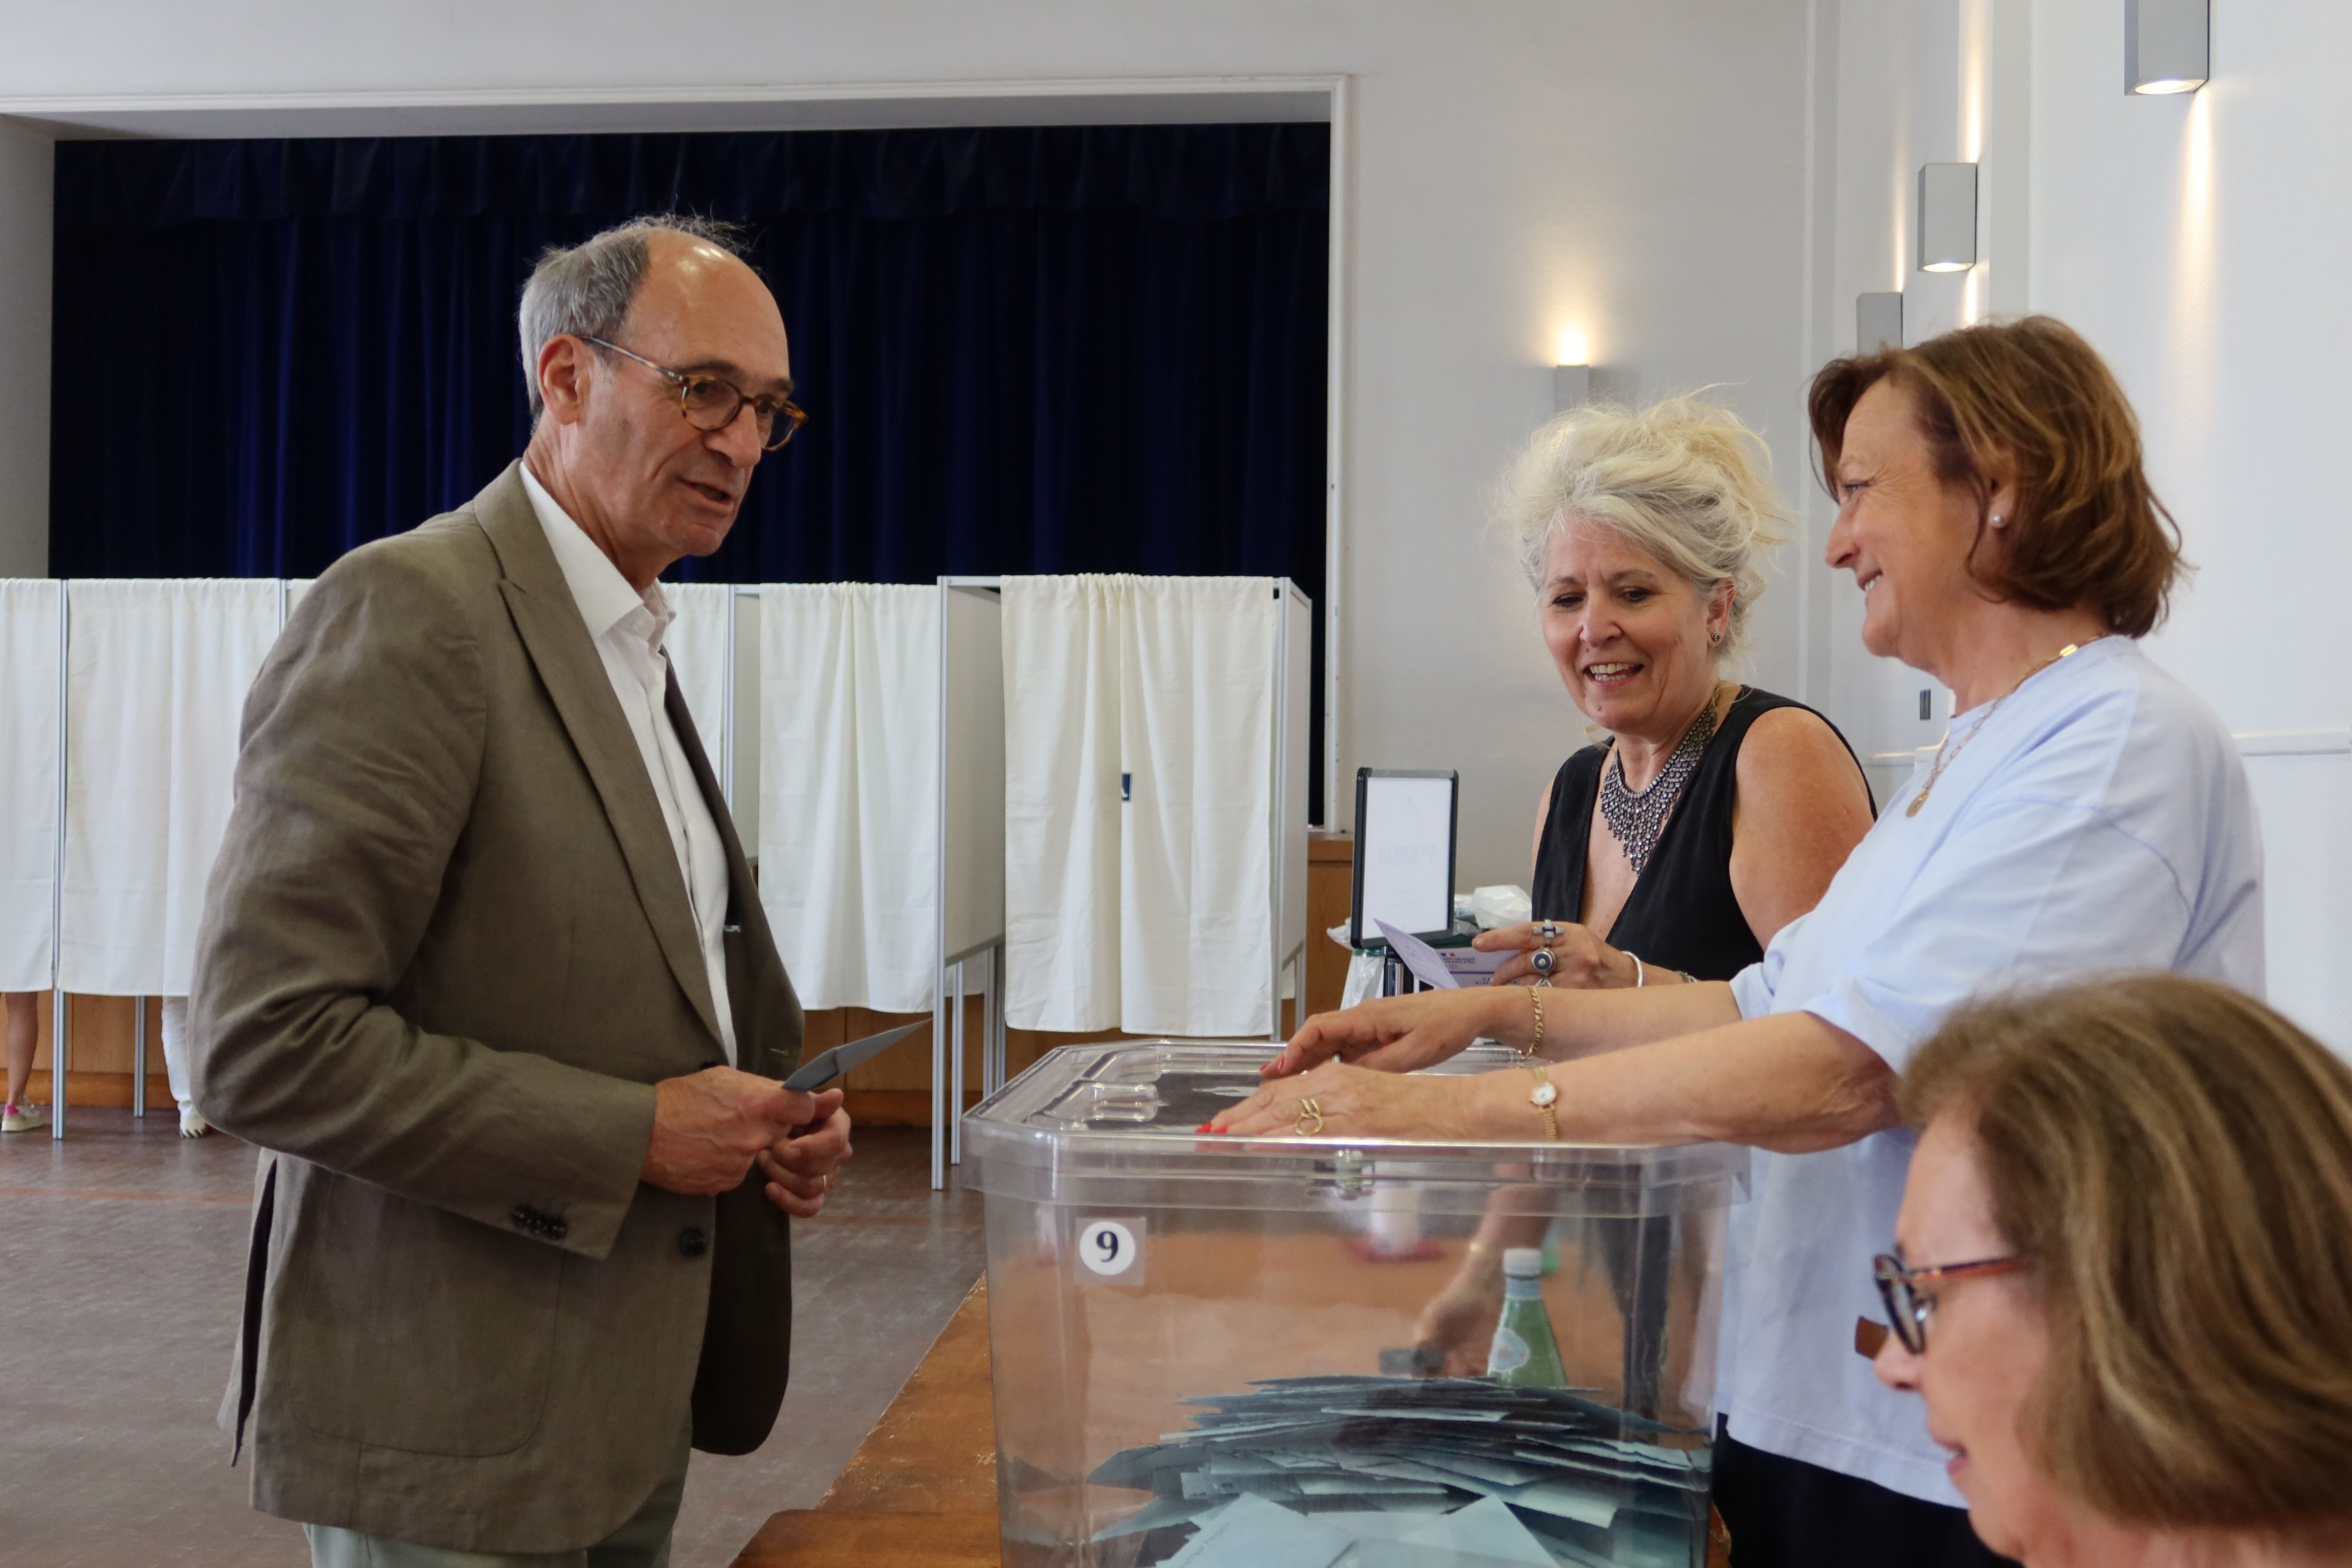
<point x="1195" y="1365"/>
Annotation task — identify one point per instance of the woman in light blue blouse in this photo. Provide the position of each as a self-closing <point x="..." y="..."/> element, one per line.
<point x="2085" y="812"/>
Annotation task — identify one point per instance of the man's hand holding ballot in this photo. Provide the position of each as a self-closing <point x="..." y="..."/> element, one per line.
<point x="711" y="1127"/>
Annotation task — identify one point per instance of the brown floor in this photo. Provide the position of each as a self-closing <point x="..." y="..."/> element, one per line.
<point x="121" y="1251"/>
<point x="922" y="1488"/>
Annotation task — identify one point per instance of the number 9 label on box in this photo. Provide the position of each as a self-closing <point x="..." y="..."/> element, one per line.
<point x="1112" y="1249"/>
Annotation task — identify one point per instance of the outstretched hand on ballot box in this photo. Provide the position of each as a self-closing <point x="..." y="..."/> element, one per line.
<point x="1405" y="1033"/>
<point x="1340" y="1101"/>
<point x="1342" y="1073"/>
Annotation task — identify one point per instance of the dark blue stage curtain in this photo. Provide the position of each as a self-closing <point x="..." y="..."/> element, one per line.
<point x="1070" y="349"/>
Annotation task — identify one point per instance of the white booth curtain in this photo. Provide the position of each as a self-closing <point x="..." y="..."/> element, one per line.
<point x="1139" y="734"/>
<point x="156" y="678"/>
<point x="849" y="797"/>
<point x="1139" y="716"/>
<point x="701" y="645"/>
<point x="28" y="780"/>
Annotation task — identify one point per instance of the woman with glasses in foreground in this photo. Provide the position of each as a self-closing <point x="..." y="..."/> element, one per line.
<point x="2124" y="1289"/>
<point x="2085" y="812"/>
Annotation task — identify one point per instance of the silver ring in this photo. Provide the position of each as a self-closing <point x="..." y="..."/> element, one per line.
<point x="1548" y="930"/>
<point x="1543" y="961"/>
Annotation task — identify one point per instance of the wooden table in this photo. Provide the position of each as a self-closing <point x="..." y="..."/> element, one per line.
<point x="922" y="1487"/>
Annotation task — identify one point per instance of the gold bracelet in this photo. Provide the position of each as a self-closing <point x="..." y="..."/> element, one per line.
<point x="1535" y="995"/>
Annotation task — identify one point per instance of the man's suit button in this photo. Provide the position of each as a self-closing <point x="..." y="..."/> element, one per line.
<point x="692" y="1242"/>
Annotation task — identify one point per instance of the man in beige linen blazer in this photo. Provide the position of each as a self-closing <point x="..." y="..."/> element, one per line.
<point x="477" y="950"/>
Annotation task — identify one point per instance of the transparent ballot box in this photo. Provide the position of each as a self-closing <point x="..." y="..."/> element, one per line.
<point x="1227" y="1353"/>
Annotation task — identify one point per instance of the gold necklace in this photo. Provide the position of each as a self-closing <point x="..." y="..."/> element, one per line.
<point x="1948" y="751"/>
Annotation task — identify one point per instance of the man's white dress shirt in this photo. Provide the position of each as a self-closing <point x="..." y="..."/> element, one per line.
<point x="627" y="628"/>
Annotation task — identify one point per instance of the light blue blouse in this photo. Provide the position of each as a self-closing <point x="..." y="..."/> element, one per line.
<point x="2100" y="821"/>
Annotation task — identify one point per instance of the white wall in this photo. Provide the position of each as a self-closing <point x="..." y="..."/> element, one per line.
<point x="25" y="185"/>
<point x="2196" y="242"/>
<point x="1634" y="171"/>
<point x="1918" y="81"/>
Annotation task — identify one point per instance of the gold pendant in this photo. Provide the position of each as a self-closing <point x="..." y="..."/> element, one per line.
<point x="1947" y="751"/>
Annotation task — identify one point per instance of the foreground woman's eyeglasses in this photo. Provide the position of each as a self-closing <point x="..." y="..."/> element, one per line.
<point x="1907" y="1311"/>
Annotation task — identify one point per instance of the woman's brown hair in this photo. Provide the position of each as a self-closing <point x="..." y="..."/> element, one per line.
<point x="2031" y="402"/>
<point x="2174" y="1162"/>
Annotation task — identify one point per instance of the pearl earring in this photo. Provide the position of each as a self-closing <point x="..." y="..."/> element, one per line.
<point x="1998" y="519"/>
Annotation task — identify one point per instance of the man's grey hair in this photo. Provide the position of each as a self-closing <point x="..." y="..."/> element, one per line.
<point x="585" y="290"/>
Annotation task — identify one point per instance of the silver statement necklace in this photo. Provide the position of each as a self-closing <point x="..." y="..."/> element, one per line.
<point x="1636" y="818"/>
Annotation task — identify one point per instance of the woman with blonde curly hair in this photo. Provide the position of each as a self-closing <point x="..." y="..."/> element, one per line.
<point x="2123" y="1282"/>
<point x="1642" y="533"/>
<point x="1707" y="816"/>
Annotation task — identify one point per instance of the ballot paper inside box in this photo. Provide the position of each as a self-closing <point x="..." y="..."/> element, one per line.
<point x="1213" y="1352"/>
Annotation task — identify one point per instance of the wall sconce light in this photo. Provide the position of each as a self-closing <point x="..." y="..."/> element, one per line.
<point x="1948" y="217"/>
<point x="2167" y="44"/>
<point x="1571" y="384"/>
<point x="1877" y="322"/>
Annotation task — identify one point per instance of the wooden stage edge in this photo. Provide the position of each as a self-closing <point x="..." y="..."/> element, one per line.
<point x="922" y="1487"/>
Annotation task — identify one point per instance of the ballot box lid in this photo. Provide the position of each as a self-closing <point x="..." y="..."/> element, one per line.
<point x="1118" y="1122"/>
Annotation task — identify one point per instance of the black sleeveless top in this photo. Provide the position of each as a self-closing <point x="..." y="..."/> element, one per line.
<point x="1682" y="912"/>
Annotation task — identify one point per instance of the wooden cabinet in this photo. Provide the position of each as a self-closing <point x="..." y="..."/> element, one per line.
<point x="1331" y="887"/>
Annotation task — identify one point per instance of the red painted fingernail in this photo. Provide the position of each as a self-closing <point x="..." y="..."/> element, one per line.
<point x="1207" y="1127"/>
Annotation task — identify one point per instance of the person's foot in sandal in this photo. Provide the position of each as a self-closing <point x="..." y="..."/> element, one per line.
<point x="21" y="1118"/>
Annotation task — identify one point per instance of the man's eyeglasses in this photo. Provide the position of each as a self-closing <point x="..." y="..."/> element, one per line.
<point x="1907" y="1311"/>
<point x="711" y="402"/>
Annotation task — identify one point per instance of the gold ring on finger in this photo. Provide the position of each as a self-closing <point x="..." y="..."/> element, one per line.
<point x="1308" y="1111"/>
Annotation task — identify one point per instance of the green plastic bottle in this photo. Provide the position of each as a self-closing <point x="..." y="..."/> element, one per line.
<point x="1525" y="1354"/>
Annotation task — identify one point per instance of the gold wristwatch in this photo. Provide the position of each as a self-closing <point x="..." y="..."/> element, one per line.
<point x="1544" y="1097"/>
